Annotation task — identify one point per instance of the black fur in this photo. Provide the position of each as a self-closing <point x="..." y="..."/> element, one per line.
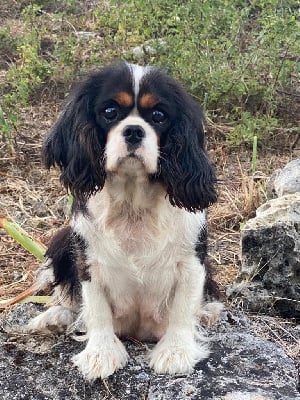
<point x="185" y="169"/>
<point x="74" y="146"/>
<point x="201" y="245"/>
<point x="77" y="141"/>
<point x="67" y="252"/>
<point x="211" y="288"/>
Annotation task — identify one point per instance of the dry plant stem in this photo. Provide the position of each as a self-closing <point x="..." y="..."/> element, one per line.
<point x="251" y="198"/>
<point x="28" y="292"/>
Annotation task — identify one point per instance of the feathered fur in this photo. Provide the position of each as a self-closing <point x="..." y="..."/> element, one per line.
<point x="130" y="146"/>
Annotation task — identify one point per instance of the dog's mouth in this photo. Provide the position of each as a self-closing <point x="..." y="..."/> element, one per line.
<point x="130" y="160"/>
<point x="134" y="159"/>
<point x="132" y="155"/>
<point x="131" y="165"/>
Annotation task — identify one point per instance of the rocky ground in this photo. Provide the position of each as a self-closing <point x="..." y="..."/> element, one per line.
<point x="242" y="366"/>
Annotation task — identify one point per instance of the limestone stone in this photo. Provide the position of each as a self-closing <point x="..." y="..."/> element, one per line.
<point x="269" y="278"/>
<point x="285" y="181"/>
<point x="242" y="366"/>
<point x="288" y="180"/>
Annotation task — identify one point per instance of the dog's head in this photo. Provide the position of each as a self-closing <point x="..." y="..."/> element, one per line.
<point x="130" y="115"/>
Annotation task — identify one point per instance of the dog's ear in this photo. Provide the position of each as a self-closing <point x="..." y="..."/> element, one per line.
<point x="76" y="145"/>
<point x="185" y="168"/>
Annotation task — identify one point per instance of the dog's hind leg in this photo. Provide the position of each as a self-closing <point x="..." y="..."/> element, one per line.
<point x="59" y="271"/>
<point x="57" y="319"/>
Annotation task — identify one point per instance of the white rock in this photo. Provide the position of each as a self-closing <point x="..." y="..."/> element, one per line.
<point x="288" y="179"/>
<point x="281" y="209"/>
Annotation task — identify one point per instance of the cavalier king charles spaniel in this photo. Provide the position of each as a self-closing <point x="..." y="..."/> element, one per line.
<point x="131" y="150"/>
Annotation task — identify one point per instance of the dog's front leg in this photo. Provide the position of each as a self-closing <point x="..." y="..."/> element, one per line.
<point x="180" y="348"/>
<point x="104" y="352"/>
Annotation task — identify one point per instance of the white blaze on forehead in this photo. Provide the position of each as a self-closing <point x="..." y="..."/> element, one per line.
<point x="137" y="73"/>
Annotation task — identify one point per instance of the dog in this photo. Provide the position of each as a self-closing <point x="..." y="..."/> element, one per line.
<point x="130" y="146"/>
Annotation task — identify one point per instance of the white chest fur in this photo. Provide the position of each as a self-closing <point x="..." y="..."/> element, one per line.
<point x="135" y="250"/>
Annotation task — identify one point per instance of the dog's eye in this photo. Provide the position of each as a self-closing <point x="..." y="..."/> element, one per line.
<point x="159" y="117"/>
<point x="110" y="113"/>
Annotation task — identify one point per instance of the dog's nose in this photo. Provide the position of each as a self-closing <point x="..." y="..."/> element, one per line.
<point x="133" y="134"/>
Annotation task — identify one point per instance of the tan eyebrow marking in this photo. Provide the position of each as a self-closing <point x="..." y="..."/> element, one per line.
<point x="124" y="99"/>
<point x="148" y="100"/>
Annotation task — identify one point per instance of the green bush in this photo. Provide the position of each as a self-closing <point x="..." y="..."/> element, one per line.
<point x="238" y="58"/>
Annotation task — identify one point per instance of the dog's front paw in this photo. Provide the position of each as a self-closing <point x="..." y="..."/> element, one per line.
<point x="177" y="354"/>
<point x="102" y="360"/>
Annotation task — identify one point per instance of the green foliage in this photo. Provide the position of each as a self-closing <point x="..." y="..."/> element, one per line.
<point x="8" y="46"/>
<point x="232" y="54"/>
<point x="250" y="126"/>
<point x="7" y="124"/>
<point x="31" y="70"/>
<point x="236" y="57"/>
<point x="25" y="77"/>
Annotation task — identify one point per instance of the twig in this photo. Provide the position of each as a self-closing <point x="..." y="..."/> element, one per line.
<point x="28" y="292"/>
<point x="287" y="93"/>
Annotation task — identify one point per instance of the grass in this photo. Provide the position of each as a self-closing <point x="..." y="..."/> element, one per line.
<point x="238" y="58"/>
